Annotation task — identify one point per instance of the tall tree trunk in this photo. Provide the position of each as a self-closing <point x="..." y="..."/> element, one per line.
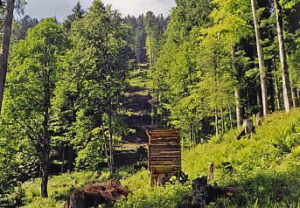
<point x="5" y="47"/>
<point x="151" y="68"/>
<point x="282" y="55"/>
<point x="46" y="138"/>
<point x="261" y="60"/>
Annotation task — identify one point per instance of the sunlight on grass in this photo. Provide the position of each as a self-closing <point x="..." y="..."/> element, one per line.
<point x="266" y="171"/>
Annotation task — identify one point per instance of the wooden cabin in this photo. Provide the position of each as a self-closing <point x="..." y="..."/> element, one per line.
<point x="164" y="156"/>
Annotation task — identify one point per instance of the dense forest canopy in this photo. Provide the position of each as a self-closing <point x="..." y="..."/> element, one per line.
<point x="206" y="67"/>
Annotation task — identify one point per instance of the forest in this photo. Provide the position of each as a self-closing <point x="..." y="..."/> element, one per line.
<point x="77" y="97"/>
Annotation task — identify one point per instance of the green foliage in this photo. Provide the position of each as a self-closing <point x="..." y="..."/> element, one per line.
<point x="90" y="89"/>
<point x="197" y="69"/>
<point x="31" y="81"/>
<point x="8" y="166"/>
<point x="146" y="196"/>
<point x="176" y="72"/>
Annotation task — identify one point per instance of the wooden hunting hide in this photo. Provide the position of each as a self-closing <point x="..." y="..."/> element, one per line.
<point x="164" y="156"/>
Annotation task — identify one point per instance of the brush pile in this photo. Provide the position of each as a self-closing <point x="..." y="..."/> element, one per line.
<point x="92" y="195"/>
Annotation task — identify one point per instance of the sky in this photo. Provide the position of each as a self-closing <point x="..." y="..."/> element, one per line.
<point x="62" y="8"/>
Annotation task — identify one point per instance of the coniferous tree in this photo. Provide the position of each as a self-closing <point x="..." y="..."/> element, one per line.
<point x="94" y="85"/>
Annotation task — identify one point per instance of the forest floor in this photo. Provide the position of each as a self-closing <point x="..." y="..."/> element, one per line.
<point x="265" y="172"/>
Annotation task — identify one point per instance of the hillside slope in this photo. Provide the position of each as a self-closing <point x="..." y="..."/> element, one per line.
<point x="266" y="169"/>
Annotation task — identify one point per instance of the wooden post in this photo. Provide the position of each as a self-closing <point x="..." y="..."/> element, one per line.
<point x="151" y="177"/>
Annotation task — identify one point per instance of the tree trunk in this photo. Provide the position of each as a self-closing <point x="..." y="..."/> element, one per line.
<point x="191" y="135"/>
<point x="45" y="174"/>
<point x="259" y="100"/>
<point x="277" y="93"/>
<point x="157" y="105"/>
<point x="197" y="133"/>
<point x="111" y="149"/>
<point x="298" y="98"/>
<point x="261" y="60"/>
<point x="282" y="55"/>
<point x="45" y="154"/>
<point x="5" y="47"/>
<point x="223" y="122"/>
<point x="239" y="109"/>
<point x="294" y="97"/>
<point x="63" y="159"/>
<point x="237" y="91"/>
<point x="106" y="146"/>
<point x="272" y="92"/>
<point x="151" y="68"/>
<point x="276" y="85"/>
<point x="46" y="138"/>
<point x="216" y="121"/>
<point x="230" y="116"/>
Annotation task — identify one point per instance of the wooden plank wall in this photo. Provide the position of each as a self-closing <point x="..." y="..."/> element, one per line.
<point x="164" y="151"/>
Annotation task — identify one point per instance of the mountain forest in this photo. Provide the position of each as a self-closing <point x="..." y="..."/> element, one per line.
<point x="81" y="98"/>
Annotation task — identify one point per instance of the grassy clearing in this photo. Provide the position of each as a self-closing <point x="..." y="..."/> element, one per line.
<point x="266" y="171"/>
<point x="140" y="79"/>
<point x="60" y="187"/>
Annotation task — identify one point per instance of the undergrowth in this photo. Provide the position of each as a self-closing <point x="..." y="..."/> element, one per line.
<point x="264" y="170"/>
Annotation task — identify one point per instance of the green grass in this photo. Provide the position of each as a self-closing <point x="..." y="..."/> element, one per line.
<point x="266" y="171"/>
<point x="59" y="188"/>
<point x="140" y="78"/>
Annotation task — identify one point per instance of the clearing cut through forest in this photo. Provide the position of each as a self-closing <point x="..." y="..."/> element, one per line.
<point x="138" y="105"/>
